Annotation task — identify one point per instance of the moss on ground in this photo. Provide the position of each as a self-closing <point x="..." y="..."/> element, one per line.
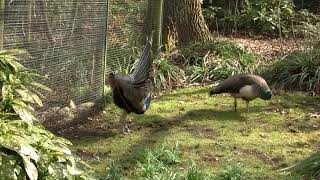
<point x="273" y="135"/>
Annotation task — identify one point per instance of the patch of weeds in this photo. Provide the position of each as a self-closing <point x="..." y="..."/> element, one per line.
<point x="231" y="172"/>
<point x="166" y="74"/>
<point x="114" y="172"/>
<point x="157" y="161"/>
<point x="195" y="173"/>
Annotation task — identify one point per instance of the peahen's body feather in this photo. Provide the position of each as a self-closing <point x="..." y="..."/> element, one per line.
<point x="245" y="86"/>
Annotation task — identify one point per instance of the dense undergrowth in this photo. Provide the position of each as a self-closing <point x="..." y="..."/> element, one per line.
<point x="271" y="17"/>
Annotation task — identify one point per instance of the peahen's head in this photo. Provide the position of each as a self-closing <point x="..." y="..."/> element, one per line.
<point x="265" y="94"/>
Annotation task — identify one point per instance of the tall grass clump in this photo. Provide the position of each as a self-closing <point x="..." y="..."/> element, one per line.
<point x="298" y="71"/>
<point x="215" y="60"/>
<point x="231" y="172"/>
<point x="157" y="162"/>
<point x="309" y="168"/>
<point x="167" y="74"/>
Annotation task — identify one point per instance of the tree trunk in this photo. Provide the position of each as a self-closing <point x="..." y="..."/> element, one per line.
<point x="2" y="3"/>
<point x="183" y="21"/>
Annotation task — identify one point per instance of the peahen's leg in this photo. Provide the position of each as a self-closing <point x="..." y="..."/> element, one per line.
<point x="124" y="126"/>
<point x="235" y="104"/>
<point x="247" y="103"/>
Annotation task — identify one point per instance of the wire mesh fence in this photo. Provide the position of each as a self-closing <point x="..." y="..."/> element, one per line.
<point x="67" y="41"/>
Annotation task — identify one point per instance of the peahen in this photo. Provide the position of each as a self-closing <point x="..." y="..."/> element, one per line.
<point x="245" y="86"/>
<point x="132" y="92"/>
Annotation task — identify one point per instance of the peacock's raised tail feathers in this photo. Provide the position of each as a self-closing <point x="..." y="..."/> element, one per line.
<point x="132" y="92"/>
<point x="143" y="66"/>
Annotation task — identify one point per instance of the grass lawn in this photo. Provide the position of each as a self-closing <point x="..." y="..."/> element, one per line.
<point x="207" y="132"/>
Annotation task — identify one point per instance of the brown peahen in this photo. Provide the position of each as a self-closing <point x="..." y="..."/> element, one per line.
<point x="132" y="92"/>
<point x="245" y="86"/>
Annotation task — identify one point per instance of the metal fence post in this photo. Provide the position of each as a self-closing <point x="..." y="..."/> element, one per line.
<point x="157" y="23"/>
<point x="105" y="52"/>
<point x="2" y="4"/>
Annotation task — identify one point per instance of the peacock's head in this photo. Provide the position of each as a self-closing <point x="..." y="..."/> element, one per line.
<point x="266" y="94"/>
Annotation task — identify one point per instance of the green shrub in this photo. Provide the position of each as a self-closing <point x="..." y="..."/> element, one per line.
<point x="299" y="71"/>
<point x="28" y="151"/>
<point x="18" y="88"/>
<point x="274" y="17"/>
<point x="33" y="152"/>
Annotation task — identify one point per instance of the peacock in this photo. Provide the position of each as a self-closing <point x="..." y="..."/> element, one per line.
<point x="132" y="92"/>
<point x="245" y="86"/>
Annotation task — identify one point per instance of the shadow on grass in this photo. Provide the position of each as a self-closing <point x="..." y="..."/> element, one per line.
<point x="174" y="95"/>
<point x="211" y="114"/>
<point x="158" y="126"/>
<point x="299" y="100"/>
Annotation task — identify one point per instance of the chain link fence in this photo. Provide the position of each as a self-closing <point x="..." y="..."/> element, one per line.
<point x="67" y="41"/>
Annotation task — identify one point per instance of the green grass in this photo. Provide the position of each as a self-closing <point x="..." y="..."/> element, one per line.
<point x="273" y="135"/>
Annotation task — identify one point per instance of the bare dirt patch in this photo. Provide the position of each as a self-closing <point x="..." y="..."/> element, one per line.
<point x="265" y="157"/>
<point x="200" y="131"/>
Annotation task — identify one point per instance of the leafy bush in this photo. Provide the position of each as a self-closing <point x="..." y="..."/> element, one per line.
<point x="18" y="88"/>
<point x="300" y="71"/>
<point x="270" y="16"/>
<point x="33" y="152"/>
<point x="194" y="173"/>
<point x="28" y="151"/>
<point x="308" y="27"/>
<point x="275" y="17"/>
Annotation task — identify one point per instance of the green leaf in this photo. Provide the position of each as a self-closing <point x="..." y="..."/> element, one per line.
<point x="41" y="86"/>
<point x="37" y="99"/>
<point x="23" y="112"/>
<point x="30" y="168"/>
<point x="25" y="95"/>
<point x="28" y="150"/>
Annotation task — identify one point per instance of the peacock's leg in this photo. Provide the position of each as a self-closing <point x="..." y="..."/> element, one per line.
<point x="247" y="102"/>
<point x="235" y="104"/>
<point x="124" y="126"/>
